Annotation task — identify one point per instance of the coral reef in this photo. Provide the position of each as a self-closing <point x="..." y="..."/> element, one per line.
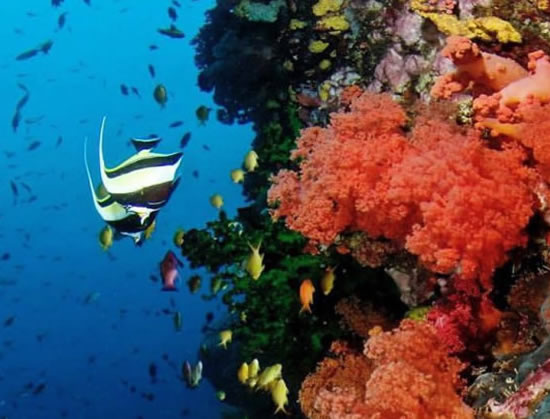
<point x="357" y="175"/>
<point x="432" y="207"/>
<point x="406" y="373"/>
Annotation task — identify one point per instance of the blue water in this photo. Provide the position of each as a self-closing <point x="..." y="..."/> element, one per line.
<point x="87" y="350"/>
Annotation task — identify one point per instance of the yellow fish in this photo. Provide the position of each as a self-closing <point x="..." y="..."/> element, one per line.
<point x="106" y="237"/>
<point x="178" y="237"/>
<point x="251" y="161"/>
<point x="255" y="263"/>
<point x="216" y="201"/>
<point x="149" y="230"/>
<point x="242" y="373"/>
<point x="279" y="395"/>
<point x="327" y="282"/>
<point x="225" y="337"/>
<point x="269" y="374"/>
<point x="252" y="382"/>
<point x="253" y="368"/>
<point x="237" y="175"/>
<point x="306" y="294"/>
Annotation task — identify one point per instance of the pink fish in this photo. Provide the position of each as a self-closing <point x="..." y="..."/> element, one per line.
<point x="169" y="271"/>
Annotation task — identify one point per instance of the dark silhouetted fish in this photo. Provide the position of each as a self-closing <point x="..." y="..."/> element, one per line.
<point x="176" y="124"/>
<point x="135" y="91"/>
<point x="206" y="147"/>
<point x="152" y="70"/>
<point x="26" y="187"/>
<point x="44" y="48"/>
<point x="195" y="174"/>
<point x="172" y="14"/>
<point x="185" y="139"/>
<point x="153" y="47"/>
<point x="9" y="321"/>
<point x="88" y="2"/>
<point x="15" y="120"/>
<point x="5" y="256"/>
<point x="59" y="141"/>
<point x="56" y="3"/>
<point x="20" y="104"/>
<point x="172" y="32"/>
<point x="61" y="20"/>
<point x="148" y="396"/>
<point x="124" y="89"/>
<point x="27" y="54"/>
<point x="176" y="3"/>
<point x="153" y="372"/>
<point x="39" y="388"/>
<point x="14" y="191"/>
<point x="34" y="145"/>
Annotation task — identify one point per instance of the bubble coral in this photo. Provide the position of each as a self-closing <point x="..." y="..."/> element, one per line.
<point x="441" y="192"/>
<point x="412" y="377"/>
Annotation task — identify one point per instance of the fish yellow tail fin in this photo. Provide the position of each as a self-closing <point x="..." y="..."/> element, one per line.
<point x="255" y="248"/>
<point x="281" y="409"/>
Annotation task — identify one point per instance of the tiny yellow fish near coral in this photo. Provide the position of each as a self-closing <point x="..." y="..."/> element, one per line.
<point x="237" y="175"/>
<point x="216" y="201"/>
<point x="242" y="373"/>
<point x="253" y="368"/>
<point x="255" y="262"/>
<point x="225" y="337"/>
<point x="306" y="294"/>
<point x="149" y="230"/>
<point x="327" y="282"/>
<point x="268" y="375"/>
<point x="279" y="395"/>
<point x="178" y="237"/>
<point x="251" y="161"/>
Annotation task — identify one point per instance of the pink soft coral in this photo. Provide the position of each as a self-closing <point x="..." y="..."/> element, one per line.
<point x="412" y="377"/>
<point x="441" y="193"/>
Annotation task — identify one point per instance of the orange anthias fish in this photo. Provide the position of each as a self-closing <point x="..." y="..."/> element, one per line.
<point x="169" y="271"/>
<point x="306" y="294"/>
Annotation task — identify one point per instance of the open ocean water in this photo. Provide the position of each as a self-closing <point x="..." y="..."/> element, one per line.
<point x="80" y="328"/>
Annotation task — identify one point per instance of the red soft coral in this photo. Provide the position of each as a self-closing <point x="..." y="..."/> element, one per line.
<point x="413" y="377"/>
<point x="441" y="193"/>
<point x="464" y="323"/>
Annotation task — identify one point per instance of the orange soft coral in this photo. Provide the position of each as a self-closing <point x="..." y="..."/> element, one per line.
<point x="413" y="378"/>
<point x="475" y="68"/>
<point x="441" y="193"/>
<point x="533" y="88"/>
<point x="346" y="372"/>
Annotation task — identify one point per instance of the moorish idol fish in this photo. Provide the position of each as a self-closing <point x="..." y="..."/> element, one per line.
<point x="146" y="178"/>
<point x="131" y="194"/>
<point x="127" y="220"/>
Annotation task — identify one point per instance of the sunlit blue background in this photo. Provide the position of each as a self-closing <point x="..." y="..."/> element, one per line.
<point x="55" y="257"/>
